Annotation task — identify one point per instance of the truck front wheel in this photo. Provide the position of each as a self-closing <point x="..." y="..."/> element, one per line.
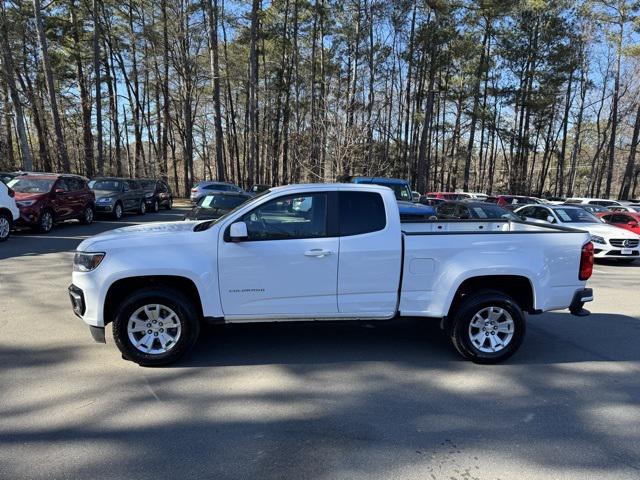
<point x="487" y="327"/>
<point x="155" y="326"/>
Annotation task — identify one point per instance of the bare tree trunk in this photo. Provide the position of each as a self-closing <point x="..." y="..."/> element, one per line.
<point x="212" y="11"/>
<point x="51" y="88"/>
<point x="9" y="77"/>
<point x="254" y="150"/>
<point x="97" y="32"/>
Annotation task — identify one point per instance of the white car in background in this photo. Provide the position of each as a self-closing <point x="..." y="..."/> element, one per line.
<point x="9" y="212"/>
<point x="608" y="241"/>
<point x="603" y="202"/>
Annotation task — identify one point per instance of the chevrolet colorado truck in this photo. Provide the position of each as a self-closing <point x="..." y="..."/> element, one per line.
<point x="326" y="252"/>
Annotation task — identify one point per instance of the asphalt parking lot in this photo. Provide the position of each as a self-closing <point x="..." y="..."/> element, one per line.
<point x="311" y="401"/>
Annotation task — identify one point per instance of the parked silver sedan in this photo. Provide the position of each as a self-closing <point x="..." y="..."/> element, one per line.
<point x="201" y="189"/>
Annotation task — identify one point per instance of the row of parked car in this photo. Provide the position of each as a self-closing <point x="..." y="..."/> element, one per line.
<point x="40" y="200"/>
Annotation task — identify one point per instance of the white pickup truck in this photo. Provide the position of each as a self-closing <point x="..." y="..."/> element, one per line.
<point x="326" y="252"/>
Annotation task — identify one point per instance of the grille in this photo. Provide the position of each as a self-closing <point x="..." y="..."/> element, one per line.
<point x="624" y="242"/>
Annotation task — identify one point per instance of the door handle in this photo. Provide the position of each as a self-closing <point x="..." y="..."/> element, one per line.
<point x="317" y="252"/>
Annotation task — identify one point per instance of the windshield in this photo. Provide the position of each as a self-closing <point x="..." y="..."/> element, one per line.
<point x="401" y="190"/>
<point x="109" y="185"/>
<point x="31" y="185"/>
<point x="223" y="202"/>
<point x="210" y="223"/>
<point x="493" y="211"/>
<point x="575" y="215"/>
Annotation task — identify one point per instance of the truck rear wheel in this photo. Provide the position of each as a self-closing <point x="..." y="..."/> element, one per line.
<point x="155" y="326"/>
<point x="487" y="327"/>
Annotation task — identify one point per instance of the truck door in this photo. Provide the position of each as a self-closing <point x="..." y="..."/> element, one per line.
<point x="288" y="264"/>
<point x="370" y="255"/>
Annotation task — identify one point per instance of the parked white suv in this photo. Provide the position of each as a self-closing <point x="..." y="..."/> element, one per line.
<point x="608" y="241"/>
<point x="8" y="211"/>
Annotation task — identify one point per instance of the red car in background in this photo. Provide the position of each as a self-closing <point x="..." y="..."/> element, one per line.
<point x="44" y="199"/>
<point x="627" y="220"/>
<point x="448" y="195"/>
<point x="513" y="201"/>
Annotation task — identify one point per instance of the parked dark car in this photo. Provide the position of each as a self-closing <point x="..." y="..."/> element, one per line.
<point x="157" y="194"/>
<point x="114" y="196"/>
<point x="466" y="210"/>
<point x="201" y="189"/>
<point x="215" y="205"/>
<point x="258" y="188"/>
<point x="45" y="199"/>
<point x="6" y="177"/>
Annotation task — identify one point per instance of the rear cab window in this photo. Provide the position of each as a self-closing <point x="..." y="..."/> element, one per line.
<point x="360" y="212"/>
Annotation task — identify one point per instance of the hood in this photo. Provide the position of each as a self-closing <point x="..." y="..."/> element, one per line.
<point x="608" y="231"/>
<point x="28" y="196"/>
<point x="136" y="235"/>
<point x="415" y="208"/>
<point x="105" y="193"/>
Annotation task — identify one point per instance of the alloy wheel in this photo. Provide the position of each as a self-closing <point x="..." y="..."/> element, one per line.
<point x="5" y="227"/>
<point x="46" y="222"/>
<point x="88" y="215"/>
<point x="491" y="329"/>
<point x="154" y="329"/>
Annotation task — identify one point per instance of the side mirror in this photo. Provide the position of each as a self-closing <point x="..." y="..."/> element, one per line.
<point x="550" y="219"/>
<point x="632" y="223"/>
<point x="238" y="231"/>
<point x="59" y="190"/>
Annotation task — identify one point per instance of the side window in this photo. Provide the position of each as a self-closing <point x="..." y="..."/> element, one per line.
<point x="526" y="211"/>
<point x="462" y="212"/>
<point x="360" y="212"/>
<point x="75" y="184"/>
<point x="125" y="186"/>
<point x="542" y="213"/>
<point x="621" y="219"/>
<point x="448" y="210"/>
<point x="63" y="184"/>
<point x="132" y="185"/>
<point x="289" y="217"/>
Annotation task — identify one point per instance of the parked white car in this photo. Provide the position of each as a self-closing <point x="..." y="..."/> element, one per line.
<point x="346" y="257"/>
<point x="9" y="212"/>
<point x="608" y="241"/>
<point x="603" y="202"/>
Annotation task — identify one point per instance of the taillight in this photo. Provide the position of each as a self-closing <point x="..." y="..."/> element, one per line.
<point x="194" y="190"/>
<point x="11" y="192"/>
<point x="586" y="262"/>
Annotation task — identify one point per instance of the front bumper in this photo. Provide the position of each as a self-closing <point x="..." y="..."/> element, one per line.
<point x="612" y="252"/>
<point x="581" y="297"/>
<point x="76" y="295"/>
<point x="104" y="207"/>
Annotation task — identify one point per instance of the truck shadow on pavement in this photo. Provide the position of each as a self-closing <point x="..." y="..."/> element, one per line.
<point x="551" y="338"/>
<point x="319" y="401"/>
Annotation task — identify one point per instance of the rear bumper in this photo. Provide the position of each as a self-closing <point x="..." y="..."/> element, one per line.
<point x="581" y="297"/>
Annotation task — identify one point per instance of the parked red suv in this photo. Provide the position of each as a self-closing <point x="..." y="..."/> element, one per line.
<point x="44" y="199"/>
<point x="627" y="220"/>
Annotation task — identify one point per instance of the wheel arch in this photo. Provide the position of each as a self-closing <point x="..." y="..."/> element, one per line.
<point x="123" y="287"/>
<point x="518" y="287"/>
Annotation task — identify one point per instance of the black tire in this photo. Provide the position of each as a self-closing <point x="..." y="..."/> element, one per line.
<point x="5" y="226"/>
<point x="45" y="224"/>
<point x="118" y="211"/>
<point x="185" y="311"/>
<point x="87" y="216"/>
<point x="142" y="208"/>
<point x="460" y="330"/>
<point x="156" y="206"/>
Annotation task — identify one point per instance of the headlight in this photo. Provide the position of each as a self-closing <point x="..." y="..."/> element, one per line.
<point x="598" y="239"/>
<point x="85" y="261"/>
<point x="104" y="200"/>
<point x="148" y="195"/>
<point x="26" y="203"/>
